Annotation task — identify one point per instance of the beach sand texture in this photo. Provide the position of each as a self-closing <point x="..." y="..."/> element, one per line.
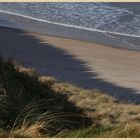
<point x="85" y="64"/>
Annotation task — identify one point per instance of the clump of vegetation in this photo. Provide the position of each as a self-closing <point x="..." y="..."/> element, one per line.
<point x="40" y="106"/>
<point x="31" y="108"/>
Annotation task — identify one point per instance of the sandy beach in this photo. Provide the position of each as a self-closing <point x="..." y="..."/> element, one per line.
<point x="85" y="64"/>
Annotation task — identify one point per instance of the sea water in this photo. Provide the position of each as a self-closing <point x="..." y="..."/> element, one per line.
<point x="122" y="19"/>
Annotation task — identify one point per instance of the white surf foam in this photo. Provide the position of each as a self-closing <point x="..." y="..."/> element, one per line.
<point x="72" y="26"/>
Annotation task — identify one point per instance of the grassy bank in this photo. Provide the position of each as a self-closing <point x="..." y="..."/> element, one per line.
<point x="40" y="106"/>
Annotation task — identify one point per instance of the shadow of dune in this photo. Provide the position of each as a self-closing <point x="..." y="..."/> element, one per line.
<point x="48" y="59"/>
<point x="29" y="101"/>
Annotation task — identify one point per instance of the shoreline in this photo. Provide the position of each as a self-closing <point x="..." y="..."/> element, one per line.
<point x="116" y="40"/>
<point x="111" y="70"/>
<point x="67" y="25"/>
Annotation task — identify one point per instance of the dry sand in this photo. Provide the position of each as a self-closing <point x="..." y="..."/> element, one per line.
<point x="89" y="65"/>
<point x="118" y="66"/>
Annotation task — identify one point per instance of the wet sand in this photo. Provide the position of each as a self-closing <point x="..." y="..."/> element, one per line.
<point x="85" y="64"/>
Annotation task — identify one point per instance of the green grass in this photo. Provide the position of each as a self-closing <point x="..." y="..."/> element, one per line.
<point x="40" y="106"/>
<point x="85" y="133"/>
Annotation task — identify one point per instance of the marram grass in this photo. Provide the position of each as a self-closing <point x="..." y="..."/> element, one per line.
<point x="40" y="106"/>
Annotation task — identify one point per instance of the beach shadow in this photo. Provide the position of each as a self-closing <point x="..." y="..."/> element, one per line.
<point x="48" y="59"/>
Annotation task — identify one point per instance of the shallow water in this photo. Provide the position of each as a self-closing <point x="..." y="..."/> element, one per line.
<point x="116" y="17"/>
<point x="119" y="18"/>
